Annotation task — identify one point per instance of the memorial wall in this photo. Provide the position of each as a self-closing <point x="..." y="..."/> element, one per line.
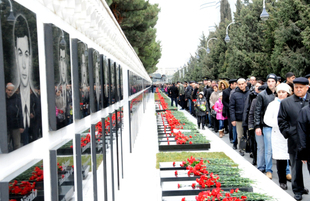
<point x="71" y="89"/>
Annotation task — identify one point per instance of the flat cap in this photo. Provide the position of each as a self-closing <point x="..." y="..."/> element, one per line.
<point x="301" y="80"/>
<point x="307" y="76"/>
<point x="232" y="81"/>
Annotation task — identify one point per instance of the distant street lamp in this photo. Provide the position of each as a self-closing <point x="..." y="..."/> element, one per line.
<point x="227" y="39"/>
<point x="208" y="49"/>
<point x="264" y="15"/>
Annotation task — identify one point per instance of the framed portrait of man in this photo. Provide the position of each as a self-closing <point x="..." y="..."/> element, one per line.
<point x="95" y="80"/>
<point x="20" y="101"/>
<point x="106" y="82"/>
<point x="121" y="82"/>
<point x="81" y="76"/>
<point x="58" y="77"/>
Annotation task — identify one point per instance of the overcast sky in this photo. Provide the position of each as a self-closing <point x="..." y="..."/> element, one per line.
<point x="180" y="25"/>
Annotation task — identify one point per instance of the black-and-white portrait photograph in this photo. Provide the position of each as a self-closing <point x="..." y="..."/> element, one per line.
<point x="21" y="72"/>
<point x="113" y="81"/>
<point x="121" y="82"/>
<point x="97" y="80"/>
<point x="83" y="79"/>
<point x="106" y="82"/>
<point x="62" y="79"/>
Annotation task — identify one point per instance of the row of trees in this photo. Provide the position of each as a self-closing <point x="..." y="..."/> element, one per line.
<point x="278" y="45"/>
<point x="137" y="18"/>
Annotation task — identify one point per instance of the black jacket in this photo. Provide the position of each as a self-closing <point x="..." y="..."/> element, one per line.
<point x="194" y="93"/>
<point x="225" y="101"/>
<point x="251" y="114"/>
<point x="14" y="112"/>
<point x="188" y="92"/>
<point x="209" y="92"/>
<point x="303" y="130"/>
<point x="287" y="120"/>
<point x="236" y="104"/>
<point x="173" y="92"/>
<point x="263" y="99"/>
<point x="252" y="95"/>
<point x="205" y="91"/>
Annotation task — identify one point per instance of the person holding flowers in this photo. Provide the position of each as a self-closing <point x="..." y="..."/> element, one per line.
<point x="201" y="110"/>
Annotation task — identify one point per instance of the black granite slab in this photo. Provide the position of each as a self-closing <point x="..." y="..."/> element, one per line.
<point x="164" y="139"/>
<point x="169" y="166"/>
<point x="171" y="188"/>
<point x="65" y="193"/>
<point x="169" y="175"/>
<point x="163" y="146"/>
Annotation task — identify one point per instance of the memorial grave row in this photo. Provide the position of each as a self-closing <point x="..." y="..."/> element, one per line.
<point x="206" y="179"/>
<point x="192" y="179"/>
<point x="161" y="102"/>
<point x="176" y="132"/>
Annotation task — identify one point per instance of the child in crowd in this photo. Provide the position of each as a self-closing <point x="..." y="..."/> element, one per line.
<point x="218" y="107"/>
<point x="201" y="110"/>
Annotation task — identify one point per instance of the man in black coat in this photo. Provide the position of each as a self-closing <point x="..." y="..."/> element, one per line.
<point x="236" y="108"/>
<point x="188" y="94"/>
<point x="287" y="121"/>
<point x="226" y="94"/>
<point x="308" y="77"/>
<point x="15" y="125"/>
<point x="262" y="131"/>
<point x="303" y="130"/>
<point x="174" y="93"/>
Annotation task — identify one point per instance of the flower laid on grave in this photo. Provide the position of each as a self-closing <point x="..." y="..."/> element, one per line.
<point x="37" y="175"/>
<point x="99" y="127"/>
<point x="85" y="140"/>
<point x="233" y="195"/>
<point x="21" y="188"/>
<point x="60" y="168"/>
<point x="162" y="101"/>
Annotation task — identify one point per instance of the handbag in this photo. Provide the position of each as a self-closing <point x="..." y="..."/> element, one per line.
<point x="244" y="144"/>
<point x="213" y="113"/>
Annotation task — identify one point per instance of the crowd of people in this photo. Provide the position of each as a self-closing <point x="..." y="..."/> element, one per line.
<point x="273" y="116"/>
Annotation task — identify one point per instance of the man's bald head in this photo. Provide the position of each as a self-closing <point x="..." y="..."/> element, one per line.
<point x="9" y="89"/>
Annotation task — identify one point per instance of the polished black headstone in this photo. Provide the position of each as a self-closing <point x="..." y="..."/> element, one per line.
<point x="171" y="188"/>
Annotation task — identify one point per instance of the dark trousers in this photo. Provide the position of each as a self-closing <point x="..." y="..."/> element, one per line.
<point x="297" y="177"/>
<point x="281" y="168"/>
<point x="175" y="100"/>
<point x="193" y="112"/>
<point x="253" y="144"/>
<point x="226" y="124"/>
<point x="201" y="120"/>
<point x="230" y="128"/>
<point x="210" y="119"/>
<point x="182" y="101"/>
<point x="215" y="124"/>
